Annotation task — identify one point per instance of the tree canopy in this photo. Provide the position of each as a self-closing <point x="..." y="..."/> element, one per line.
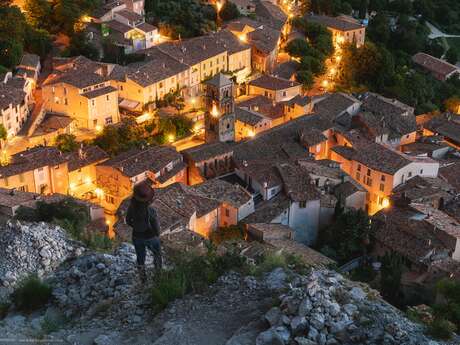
<point x="184" y="18"/>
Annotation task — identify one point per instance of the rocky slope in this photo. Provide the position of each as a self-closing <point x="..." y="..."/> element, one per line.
<point x="98" y="299"/>
<point x="32" y="248"/>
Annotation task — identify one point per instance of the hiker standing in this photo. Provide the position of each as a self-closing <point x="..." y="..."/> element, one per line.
<point x="146" y="230"/>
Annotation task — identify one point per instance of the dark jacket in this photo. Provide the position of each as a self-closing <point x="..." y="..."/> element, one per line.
<point x="143" y="219"/>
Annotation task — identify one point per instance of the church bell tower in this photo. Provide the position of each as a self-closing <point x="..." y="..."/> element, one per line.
<point x="220" y="109"/>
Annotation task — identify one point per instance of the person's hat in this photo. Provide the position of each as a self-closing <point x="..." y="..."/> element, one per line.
<point x="143" y="192"/>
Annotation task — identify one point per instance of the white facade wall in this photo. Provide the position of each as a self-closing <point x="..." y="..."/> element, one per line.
<point x="305" y="221"/>
<point x="246" y="210"/>
<point x="425" y="169"/>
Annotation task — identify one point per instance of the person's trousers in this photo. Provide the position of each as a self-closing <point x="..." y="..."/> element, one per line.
<point x="153" y="244"/>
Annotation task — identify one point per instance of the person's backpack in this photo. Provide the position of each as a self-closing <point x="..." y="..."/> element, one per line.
<point x="142" y="221"/>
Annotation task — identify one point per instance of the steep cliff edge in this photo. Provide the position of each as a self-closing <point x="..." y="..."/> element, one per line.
<point x="98" y="299"/>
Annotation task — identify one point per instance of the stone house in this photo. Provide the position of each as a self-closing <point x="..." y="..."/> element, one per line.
<point x="29" y="68"/>
<point x="82" y="89"/>
<point x="42" y="170"/>
<point x="248" y="123"/>
<point x="440" y="69"/>
<point x="380" y="169"/>
<point x="208" y="161"/>
<point x="116" y="177"/>
<point x="235" y="202"/>
<point x="15" y="98"/>
<point x="420" y="233"/>
<point x="276" y="89"/>
<point x="344" y="29"/>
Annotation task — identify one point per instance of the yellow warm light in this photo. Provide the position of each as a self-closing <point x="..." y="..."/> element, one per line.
<point x="215" y="111"/>
<point x="98" y="128"/>
<point x="88" y="180"/>
<point x="218" y="6"/>
<point x="325" y="83"/>
<point x="338" y="58"/>
<point x="340" y="40"/>
<point x="193" y="101"/>
<point x="251" y="134"/>
<point x="242" y="38"/>
<point x="385" y="203"/>
<point x="72" y="186"/>
<point x="99" y="192"/>
<point x="107" y="222"/>
<point x="144" y="117"/>
<point x="85" y="19"/>
<point x="4" y="159"/>
<point x="171" y="138"/>
<point x="333" y="70"/>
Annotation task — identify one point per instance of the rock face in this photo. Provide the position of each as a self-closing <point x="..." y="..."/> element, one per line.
<point x="98" y="283"/>
<point x="103" y="296"/>
<point x="32" y="248"/>
<point x="326" y="309"/>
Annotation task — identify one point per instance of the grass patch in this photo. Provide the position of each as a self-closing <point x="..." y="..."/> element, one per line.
<point x="191" y="274"/>
<point x="268" y="263"/>
<point x="441" y="329"/>
<point x="50" y="325"/>
<point x="31" y="294"/>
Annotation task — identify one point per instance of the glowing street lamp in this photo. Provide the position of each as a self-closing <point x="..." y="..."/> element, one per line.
<point x="385" y="203"/>
<point x="219" y="6"/>
<point x="215" y="111"/>
<point x="242" y="38"/>
<point x="99" y="193"/>
<point x="171" y="138"/>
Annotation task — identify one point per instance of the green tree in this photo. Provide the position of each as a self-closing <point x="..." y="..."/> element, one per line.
<point x="184" y="18"/>
<point x="346" y="8"/>
<point x="298" y="48"/>
<point x="38" y="12"/>
<point x="109" y="140"/>
<point x="12" y="32"/>
<point x="379" y="29"/>
<point x="38" y="41"/>
<point x="3" y="135"/>
<point x="306" y="78"/>
<point x="348" y="237"/>
<point x="452" y="56"/>
<point x="390" y="281"/>
<point x="66" y="142"/>
<point x="229" y="11"/>
<point x="363" y="8"/>
<point x="314" y="65"/>
<point x="65" y="15"/>
<point x="79" y="45"/>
